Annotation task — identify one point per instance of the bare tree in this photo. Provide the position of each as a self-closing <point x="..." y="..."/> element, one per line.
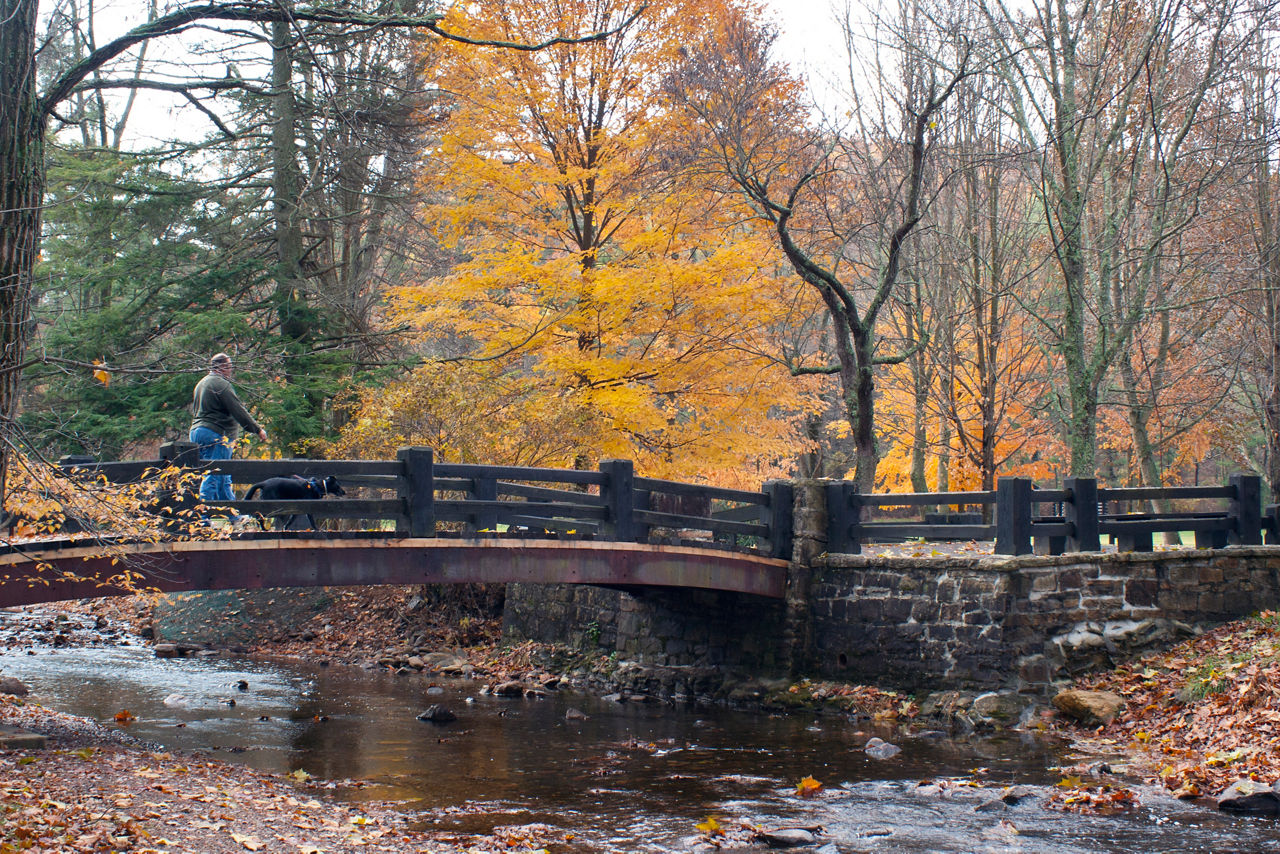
<point x="842" y="205"/>
<point x="1110" y="94"/>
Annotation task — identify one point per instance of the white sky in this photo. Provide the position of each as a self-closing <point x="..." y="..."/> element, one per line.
<point x="809" y="40"/>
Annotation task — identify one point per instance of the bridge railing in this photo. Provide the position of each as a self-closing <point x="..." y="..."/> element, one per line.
<point x="1073" y="518"/>
<point x="442" y="499"/>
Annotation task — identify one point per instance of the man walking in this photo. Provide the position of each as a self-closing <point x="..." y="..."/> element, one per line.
<point x="217" y="416"/>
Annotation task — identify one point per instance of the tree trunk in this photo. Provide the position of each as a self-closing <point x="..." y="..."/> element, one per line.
<point x="864" y="411"/>
<point x="286" y="185"/>
<point x="21" y="191"/>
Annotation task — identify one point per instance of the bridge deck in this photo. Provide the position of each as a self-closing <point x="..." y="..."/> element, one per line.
<point x="45" y="573"/>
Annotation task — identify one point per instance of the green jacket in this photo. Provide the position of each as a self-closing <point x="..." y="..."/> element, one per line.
<point x="214" y="405"/>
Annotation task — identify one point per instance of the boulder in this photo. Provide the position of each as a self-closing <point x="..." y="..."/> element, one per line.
<point x="787" y="837"/>
<point x="10" y="685"/>
<point x="1090" y="708"/>
<point x="437" y="714"/>
<point x="509" y="689"/>
<point x="878" y="748"/>
<point x="1249" y="797"/>
<point x="1000" y="707"/>
<point x="441" y="661"/>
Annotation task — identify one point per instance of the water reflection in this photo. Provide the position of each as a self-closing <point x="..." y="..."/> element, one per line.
<point x="628" y="778"/>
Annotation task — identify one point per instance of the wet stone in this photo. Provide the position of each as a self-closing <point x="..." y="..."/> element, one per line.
<point x="13" y="738"/>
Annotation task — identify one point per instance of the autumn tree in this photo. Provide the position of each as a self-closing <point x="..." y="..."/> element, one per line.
<point x="27" y="107"/>
<point x="590" y="269"/>
<point x="842" y="206"/>
<point x="1109" y="95"/>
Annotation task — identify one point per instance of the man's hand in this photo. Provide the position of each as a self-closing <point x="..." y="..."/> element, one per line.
<point x="262" y="434"/>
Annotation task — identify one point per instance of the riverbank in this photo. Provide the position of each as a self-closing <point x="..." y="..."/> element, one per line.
<point x="94" y="789"/>
<point x="1200" y="718"/>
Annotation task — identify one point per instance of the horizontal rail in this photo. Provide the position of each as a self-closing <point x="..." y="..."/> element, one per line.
<point x="522" y="490"/>
<point x="701" y="523"/>
<point x="914" y="531"/>
<point x="471" y="507"/>
<point x="537" y="475"/>
<point x="671" y="487"/>
<point x="1165" y="493"/>
<point x="915" y="499"/>
<point x="341" y="508"/>
<point x="1157" y="525"/>
<point x="749" y="513"/>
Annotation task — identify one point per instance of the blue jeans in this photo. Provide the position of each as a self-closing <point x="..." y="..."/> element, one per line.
<point x="213" y="446"/>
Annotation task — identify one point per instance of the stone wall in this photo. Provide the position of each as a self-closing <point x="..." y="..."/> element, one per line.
<point x="688" y="641"/>
<point x="930" y="623"/>
<point x="919" y="624"/>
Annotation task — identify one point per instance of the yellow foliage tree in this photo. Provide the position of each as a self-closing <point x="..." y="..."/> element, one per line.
<point x="622" y="305"/>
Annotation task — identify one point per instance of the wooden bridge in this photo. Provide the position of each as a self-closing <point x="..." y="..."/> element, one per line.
<point x="414" y="520"/>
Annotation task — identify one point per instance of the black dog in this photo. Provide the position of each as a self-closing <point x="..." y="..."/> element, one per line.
<point x="295" y="488"/>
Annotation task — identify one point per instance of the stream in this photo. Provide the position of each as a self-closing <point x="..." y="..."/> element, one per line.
<point x="623" y="777"/>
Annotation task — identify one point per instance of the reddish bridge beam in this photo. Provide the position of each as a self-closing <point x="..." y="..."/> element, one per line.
<point x="82" y="572"/>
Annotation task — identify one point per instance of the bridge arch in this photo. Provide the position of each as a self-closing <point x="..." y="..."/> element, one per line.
<point x="53" y="572"/>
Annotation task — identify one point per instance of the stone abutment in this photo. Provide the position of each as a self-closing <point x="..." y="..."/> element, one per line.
<point x="923" y="623"/>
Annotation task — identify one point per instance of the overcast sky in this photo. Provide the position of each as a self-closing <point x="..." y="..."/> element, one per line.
<point x="810" y="41"/>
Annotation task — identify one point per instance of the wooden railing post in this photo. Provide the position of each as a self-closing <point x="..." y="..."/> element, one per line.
<point x="780" y="517"/>
<point x="1013" y="516"/>
<point x="619" y="500"/>
<point x="180" y="453"/>
<point x="417" y="490"/>
<point x="640" y="500"/>
<point x="1081" y="513"/>
<point x="483" y="489"/>
<point x="1245" y="510"/>
<point x="842" y="516"/>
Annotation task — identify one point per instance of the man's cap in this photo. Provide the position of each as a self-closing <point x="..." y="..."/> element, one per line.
<point x="219" y="360"/>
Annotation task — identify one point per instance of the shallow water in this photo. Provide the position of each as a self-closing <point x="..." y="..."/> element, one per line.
<point x="629" y="778"/>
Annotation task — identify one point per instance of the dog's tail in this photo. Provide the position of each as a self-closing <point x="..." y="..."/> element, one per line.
<point x="255" y="488"/>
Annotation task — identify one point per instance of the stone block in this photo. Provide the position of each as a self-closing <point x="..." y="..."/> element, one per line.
<point x="1104" y="587"/>
<point x="1044" y="582"/>
<point x="1210" y="604"/>
<point x="1070" y="579"/>
<point x="1209" y="574"/>
<point x="897" y="609"/>
<point x="1141" y="592"/>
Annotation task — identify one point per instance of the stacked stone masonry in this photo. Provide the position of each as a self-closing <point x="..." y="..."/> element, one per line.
<point x="919" y="624"/>
<point x="928" y="623"/>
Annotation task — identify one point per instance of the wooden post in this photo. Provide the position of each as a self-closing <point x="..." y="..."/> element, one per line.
<point x="1081" y="512"/>
<point x="417" y="491"/>
<point x="180" y="453"/>
<point x="780" y="517"/>
<point x="619" y="499"/>
<point x="640" y="501"/>
<point x="70" y="461"/>
<point x="1270" y="524"/>
<point x="842" y="518"/>
<point x="1246" y="510"/>
<point x="1013" y="516"/>
<point x="483" y="489"/>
